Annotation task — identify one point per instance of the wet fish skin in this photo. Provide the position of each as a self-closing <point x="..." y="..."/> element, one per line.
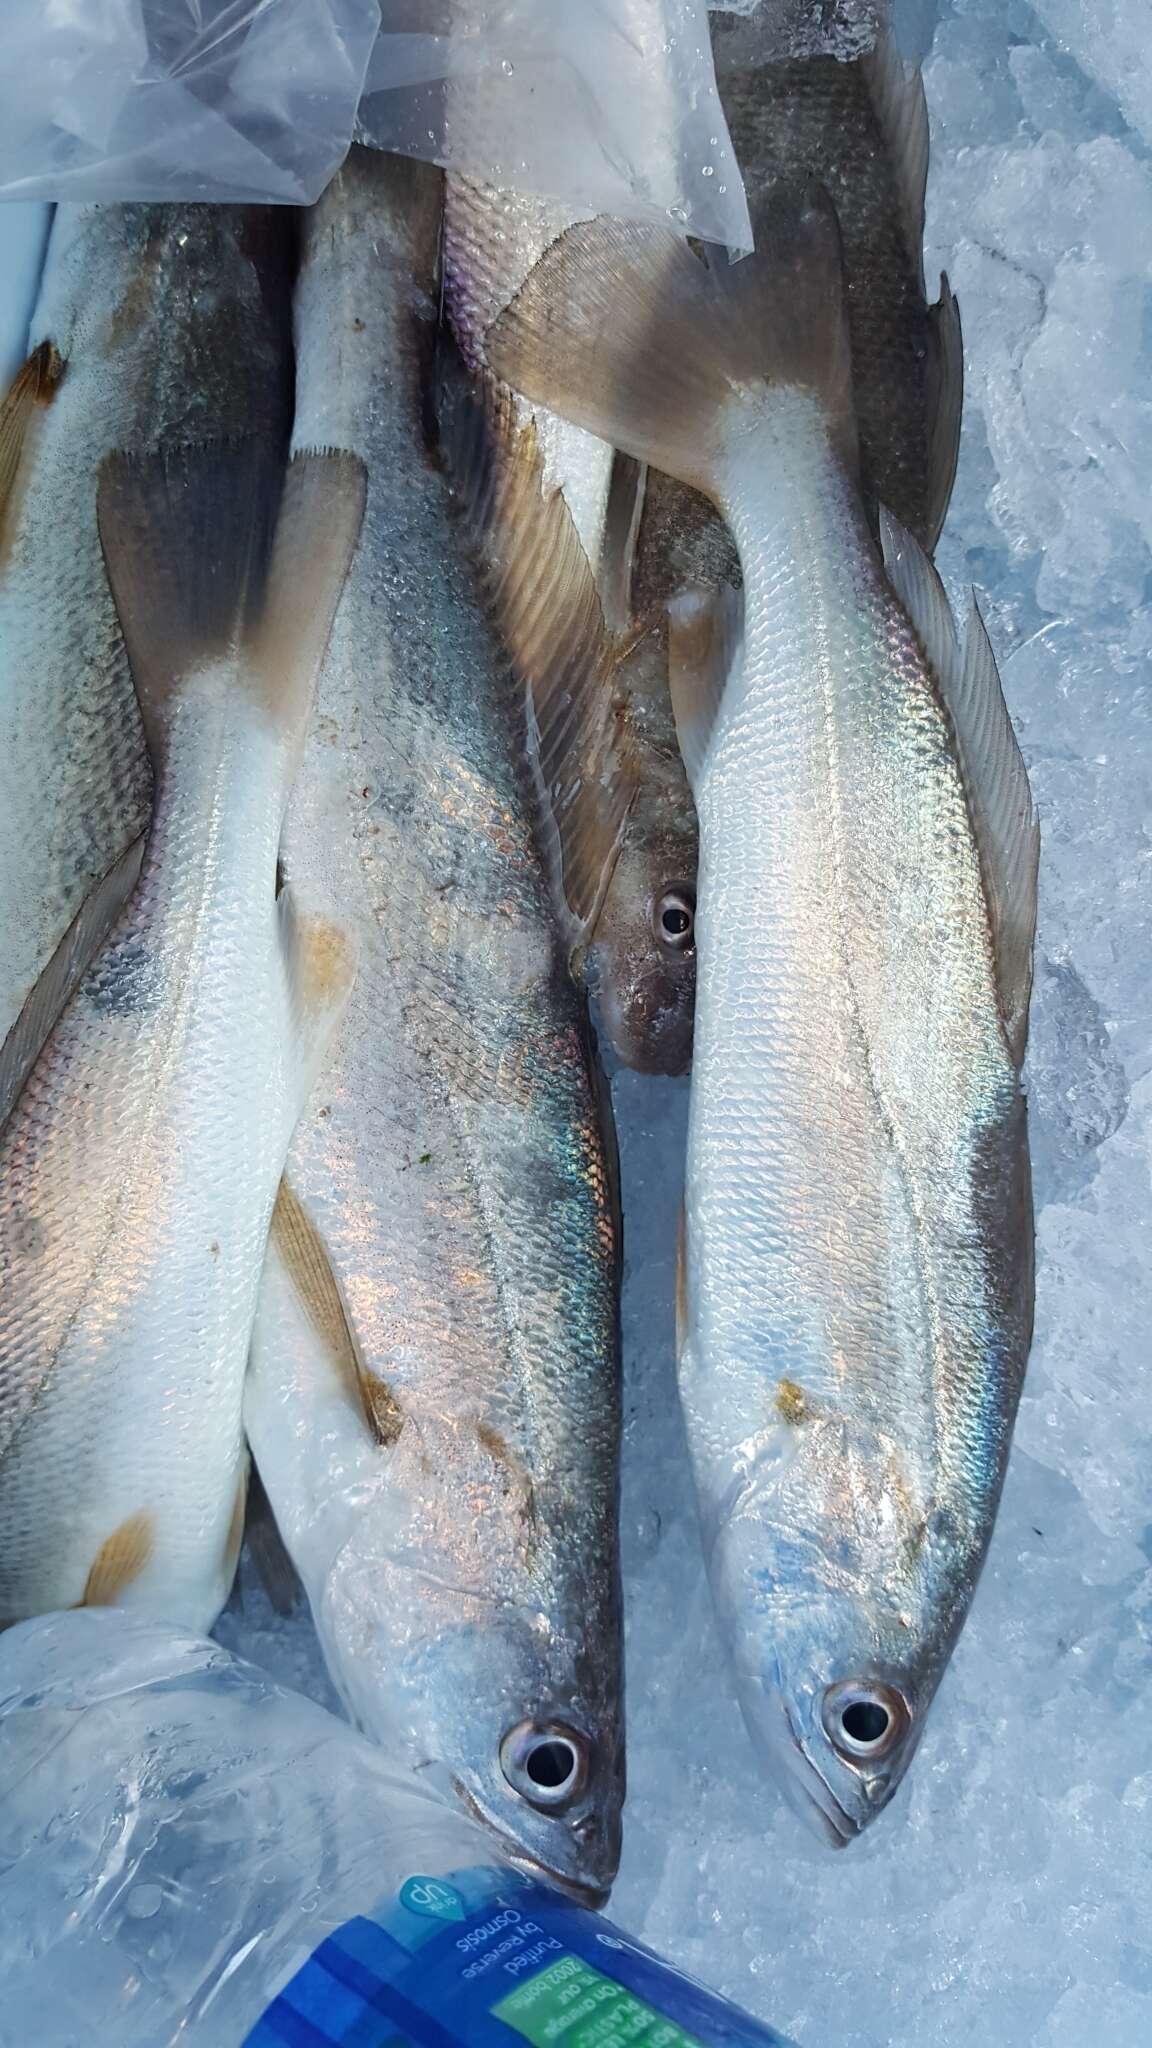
<point x="642" y="984"/>
<point x="139" y="1165"/>
<point x="793" y="121"/>
<point x="171" y="326"/>
<point x="433" y="1400"/>
<point x="856" y="1279"/>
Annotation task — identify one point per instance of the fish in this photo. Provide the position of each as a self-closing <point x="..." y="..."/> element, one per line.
<point x="154" y="325"/>
<point x="140" y="1158"/>
<point x="859" y="129"/>
<point x="856" y="1273"/>
<point x="552" y="525"/>
<point x="433" y="1399"/>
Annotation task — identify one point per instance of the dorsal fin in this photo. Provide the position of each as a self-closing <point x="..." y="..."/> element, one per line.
<point x="58" y="981"/>
<point x="897" y="95"/>
<point x="541" y="591"/>
<point x="944" y="397"/>
<point x="705" y="630"/>
<point x="991" y="764"/>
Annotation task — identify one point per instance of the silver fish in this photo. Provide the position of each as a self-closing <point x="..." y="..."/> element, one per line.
<point x="433" y="1401"/>
<point x="139" y="1165"/>
<point x="155" y="325"/>
<point x="860" y="128"/>
<point x="856" y="1292"/>
<point x="554" y="533"/>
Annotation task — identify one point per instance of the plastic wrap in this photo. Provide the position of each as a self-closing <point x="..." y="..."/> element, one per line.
<point x="598" y="104"/>
<point x="603" y="105"/>
<point x="179" y="99"/>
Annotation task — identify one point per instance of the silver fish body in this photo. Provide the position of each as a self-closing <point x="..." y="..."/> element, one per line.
<point x="858" y="1279"/>
<point x="164" y="326"/>
<point x="140" y="1162"/>
<point x="856" y="1275"/>
<point x="433" y="1401"/>
<point x="632" y="947"/>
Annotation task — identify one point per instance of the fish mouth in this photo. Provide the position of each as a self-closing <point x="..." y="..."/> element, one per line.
<point x="802" y="1784"/>
<point x="583" y="1891"/>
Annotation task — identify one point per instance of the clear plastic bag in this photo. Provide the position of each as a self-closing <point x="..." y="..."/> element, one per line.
<point x="179" y="99"/>
<point x="603" y="105"/>
<point x="598" y="104"/>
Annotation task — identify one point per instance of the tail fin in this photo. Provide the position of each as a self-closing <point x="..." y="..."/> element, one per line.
<point x="622" y="329"/>
<point x="212" y="555"/>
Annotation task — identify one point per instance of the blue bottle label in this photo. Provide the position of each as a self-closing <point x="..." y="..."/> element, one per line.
<point x="490" y="1959"/>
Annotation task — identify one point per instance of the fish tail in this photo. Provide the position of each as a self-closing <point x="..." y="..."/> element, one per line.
<point x="621" y="328"/>
<point x="217" y="555"/>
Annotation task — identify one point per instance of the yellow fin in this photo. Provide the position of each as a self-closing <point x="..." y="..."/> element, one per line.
<point x="120" y="1560"/>
<point x="309" y="1267"/>
<point x="34" y="385"/>
<point x="540" y="589"/>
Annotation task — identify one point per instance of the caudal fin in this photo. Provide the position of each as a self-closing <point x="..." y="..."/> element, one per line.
<point x="623" y="330"/>
<point x="215" y="554"/>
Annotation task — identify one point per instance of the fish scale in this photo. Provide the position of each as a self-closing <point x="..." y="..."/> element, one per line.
<point x="171" y="325"/>
<point x="855" y="1301"/>
<point x="451" y="1176"/>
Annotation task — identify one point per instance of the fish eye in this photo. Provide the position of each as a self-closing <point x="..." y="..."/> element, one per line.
<point x="674" y="920"/>
<point x="545" y="1762"/>
<point x="865" y="1721"/>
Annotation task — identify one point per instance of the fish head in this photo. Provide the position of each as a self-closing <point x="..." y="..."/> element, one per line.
<point x="641" y="964"/>
<point x="478" y="1686"/>
<point x="840" y="1602"/>
<point x="837" y="1747"/>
